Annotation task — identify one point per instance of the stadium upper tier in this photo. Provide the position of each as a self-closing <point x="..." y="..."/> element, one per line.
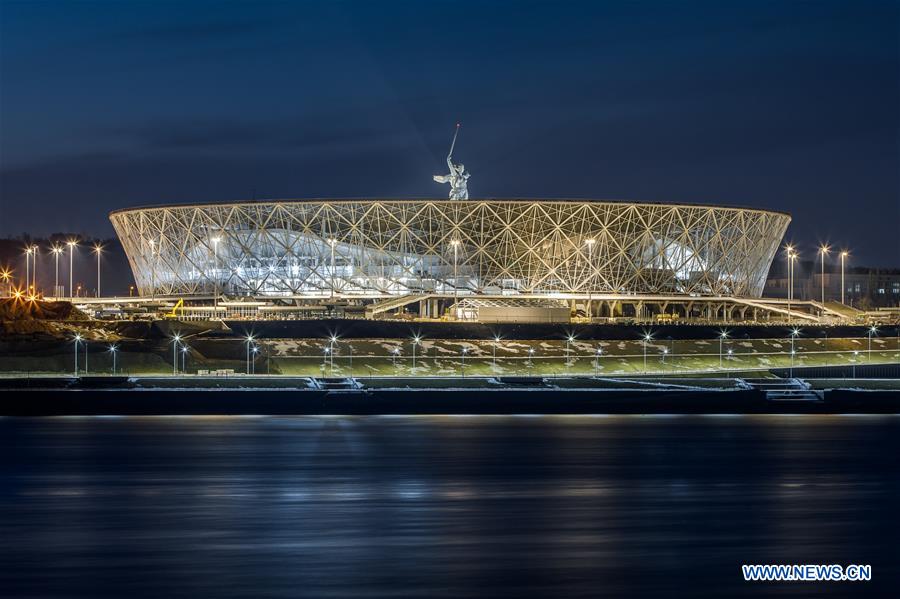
<point x="371" y="248"/>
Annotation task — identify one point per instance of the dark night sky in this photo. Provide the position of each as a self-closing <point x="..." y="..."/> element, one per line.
<point x="787" y="105"/>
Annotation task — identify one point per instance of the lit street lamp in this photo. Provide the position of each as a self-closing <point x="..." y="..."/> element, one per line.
<point x="597" y="361"/>
<point x="415" y="342"/>
<point x="77" y="341"/>
<point x="154" y="261"/>
<point x="792" y="257"/>
<point x="530" y="357"/>
<point x="6" y="276"/>
<point x="823" y="251"/>
<point x="496" y="343"/>
<point x="27" y="268"/>
<point x="71" y="243"/>
<point x="332" y="242"/>
<point x="248" y="340"/>
<point x="463" y="353"/>
<point x="332" y="342"/>
<point x="394" y="355"/>
<point x="215" y="242"/>
<point x="794" y="333"/>
<point x="722" y="336"/>
<point x="98" y="249"/>
<point x="569" y="340"/>
<point x="590" y="246"/>
<point x="56" y="250"/>
<point x="647" y="338"/>
<point x="175" y="341"/>
<point x="455" y="244"/>
<point x="34" y="254"/>
<point x="872" y="331"/>
<point x="184" y="353"/>
<point x="844" y="255"/>
<point x="112" y="350"/>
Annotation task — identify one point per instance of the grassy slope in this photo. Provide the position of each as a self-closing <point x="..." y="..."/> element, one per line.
<point x="304" y="357"/>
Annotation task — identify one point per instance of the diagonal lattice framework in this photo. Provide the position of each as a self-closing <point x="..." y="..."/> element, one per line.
<point x="372" y="248"/>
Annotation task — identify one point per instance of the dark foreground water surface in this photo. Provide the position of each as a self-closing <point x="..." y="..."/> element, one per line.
<point x="444" y="506"/>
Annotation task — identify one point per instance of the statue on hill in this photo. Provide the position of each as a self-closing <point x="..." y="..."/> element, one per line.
<point x="457" y="177"/>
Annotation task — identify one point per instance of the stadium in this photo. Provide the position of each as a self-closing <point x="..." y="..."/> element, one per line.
<point x="391" y="252"/>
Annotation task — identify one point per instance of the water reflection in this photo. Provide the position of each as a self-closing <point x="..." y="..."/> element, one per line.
<point x="442" y="506"/>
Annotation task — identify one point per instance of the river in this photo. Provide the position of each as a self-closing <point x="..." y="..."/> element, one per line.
<point x="444" y="506"/>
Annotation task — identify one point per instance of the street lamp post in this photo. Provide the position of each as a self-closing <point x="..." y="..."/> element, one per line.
<point x="597" y="361"/>
<point x="154" y="262"/>
<point x="332" y="343"/>
<point x="27" y="269"/>
<point x="34" y="254"/>
<point x="256" y="351"/>
<point x="455" y="244"/>
<point x="71" y="243"/>
<point x="530" y="358"/>
<point x="463" y="353"/>
<point x="569" y="340"/>
<point x="175" y="341"/>
<point x="215" y="242"/>
<point x="98" y="249"/>
<point x="794" y="333"/>
<point x="415" y="342"/>
<point x="647" y="338"/>
<point x="394" y="355"/>
<point x="331" y="242"/>
<point x="56" y="250"/>
<point x="843" y="288"/>
<point x="855" y="359"/>
<point x="872" y="331"/>
<point x="496" y="343"/>
<point x="590" y="245"/>
<point x="248" y="340"/>
<point x="77" y="341"/>
<point x="792" y="256"/>
<point x="722" y="336"/>
<point x="184" y="353"/>
<point x="113" y="349"/>
<point x="823" y="251"/>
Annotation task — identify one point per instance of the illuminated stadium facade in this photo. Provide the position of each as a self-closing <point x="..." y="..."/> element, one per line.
<point x="308" y="249"/>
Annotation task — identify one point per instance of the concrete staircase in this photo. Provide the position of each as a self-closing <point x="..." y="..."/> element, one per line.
<point x="838" y="309"/>
<point x="393" y="303"/>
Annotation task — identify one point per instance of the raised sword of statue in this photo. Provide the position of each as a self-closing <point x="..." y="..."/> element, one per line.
<point x="457" y="177"/>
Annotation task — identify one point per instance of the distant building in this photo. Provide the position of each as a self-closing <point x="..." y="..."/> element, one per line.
<point x="864" y="287"/>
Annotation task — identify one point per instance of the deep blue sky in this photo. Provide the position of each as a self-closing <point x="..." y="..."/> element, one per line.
<point x="787" y="105"/>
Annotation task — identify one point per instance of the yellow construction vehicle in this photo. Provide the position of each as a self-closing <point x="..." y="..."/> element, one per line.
<point x="174" y="313"/>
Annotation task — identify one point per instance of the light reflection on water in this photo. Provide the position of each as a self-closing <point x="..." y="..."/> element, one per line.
<point x="442" y="506"/>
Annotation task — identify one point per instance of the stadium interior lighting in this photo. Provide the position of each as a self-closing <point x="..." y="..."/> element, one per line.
<point x="113" y="348"/>
<point x="350" y="247"/>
